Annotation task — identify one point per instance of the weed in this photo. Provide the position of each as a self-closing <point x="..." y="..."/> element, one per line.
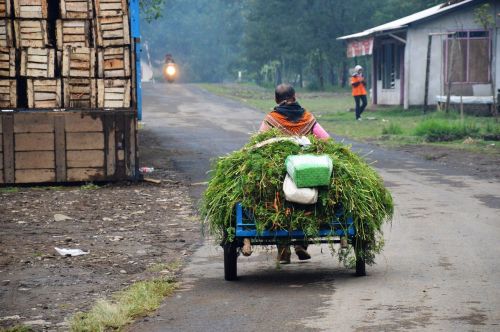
<point x="437" y="130"/>
<point x="137" y="300"/>
<point x="17" y="328"/>
<point x="392" y="129"/>
<point x="9" y="190"/>
<point x="89" y="186"/>
<point x="172" y="266"/>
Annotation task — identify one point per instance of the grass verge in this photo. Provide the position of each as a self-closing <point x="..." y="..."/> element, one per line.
<point x="17" y="328"/>
<point x="135" y="301"/>
<point x="386" y="126"/>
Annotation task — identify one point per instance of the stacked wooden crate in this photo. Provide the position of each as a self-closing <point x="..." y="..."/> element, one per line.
<point x="84" y="48"/>
<point x="8" y="86"/>
<point x="113" y="41"/>
<point x="76" y="48"/>
<point x="37" y="56"/>
<point x="66" y="91"/>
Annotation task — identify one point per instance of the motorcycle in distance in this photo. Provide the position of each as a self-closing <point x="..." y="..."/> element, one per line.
<point x="169" y="69"/>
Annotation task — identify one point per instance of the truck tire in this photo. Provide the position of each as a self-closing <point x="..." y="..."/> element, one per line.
<point x="230" y="261"/>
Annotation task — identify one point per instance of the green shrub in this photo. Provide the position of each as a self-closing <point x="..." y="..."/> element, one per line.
<point x="435" y="130"/>
<point x="392" y="129"/>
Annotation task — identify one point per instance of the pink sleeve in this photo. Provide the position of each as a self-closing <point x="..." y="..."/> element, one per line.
<point x="319" y="132"/>
<point x="263" y="127"/>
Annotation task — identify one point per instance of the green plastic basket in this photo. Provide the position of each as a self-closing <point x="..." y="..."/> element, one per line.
<point x="309" y="170"/>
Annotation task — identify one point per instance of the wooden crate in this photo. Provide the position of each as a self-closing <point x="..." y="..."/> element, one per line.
<point x="113" y="93"/>
<point x="113" y="62"/>
<point x="44" y="93"/>
<point x="71" y="9"/>
<point x="8" y="93"/>
<point x="30" y="8"/>
<point x="5" y="8"/>
<point x="74" y="33"/>
<point x="80" y="93"/>
<point x="112" y="31"/>
<point x="78" y="62"/>
<point x="37" y="62"/>
<point x="105" y="8"/>
<point x="6" y="37"/>
<point x="67" y="146"/>
<point x="31" y="33"/>
<point x="7" y="62"/>
<point x="1" y="152"/>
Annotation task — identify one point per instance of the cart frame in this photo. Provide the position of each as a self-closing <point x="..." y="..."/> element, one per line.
<point x="246" y="228"/>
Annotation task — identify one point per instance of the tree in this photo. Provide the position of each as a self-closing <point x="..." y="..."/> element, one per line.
<point x="202" y="35"/>
<point x="151" y="9"/>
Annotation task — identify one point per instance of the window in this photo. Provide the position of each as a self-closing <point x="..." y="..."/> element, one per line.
<point x="467" y="56"/>
<point x="389" y="65"/>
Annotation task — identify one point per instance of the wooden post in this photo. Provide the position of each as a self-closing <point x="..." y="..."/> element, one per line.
<point x="60" y="147"/>
<point x="8" y="148"/>
<point x="450" y="64"/>
<point x="110" y="143"/>
<point x="427" y="70"/>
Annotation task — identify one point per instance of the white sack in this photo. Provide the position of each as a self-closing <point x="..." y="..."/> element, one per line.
<point x="299" y="195"/>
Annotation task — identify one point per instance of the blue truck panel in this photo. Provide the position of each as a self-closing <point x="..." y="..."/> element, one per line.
<point x="136" y="37"/>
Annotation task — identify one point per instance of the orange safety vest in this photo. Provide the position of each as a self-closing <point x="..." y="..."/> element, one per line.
<point x="358" y="86"/>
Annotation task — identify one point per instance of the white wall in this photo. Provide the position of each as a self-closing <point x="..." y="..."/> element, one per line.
<point x="389" y="96"/>
<point x="416" y="55"/>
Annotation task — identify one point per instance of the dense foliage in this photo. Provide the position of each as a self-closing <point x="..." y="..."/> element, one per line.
<point x="254" y="177"/>
<point x="268" y="40"/>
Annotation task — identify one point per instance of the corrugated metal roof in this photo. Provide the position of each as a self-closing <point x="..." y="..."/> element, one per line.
<point x="405" y="21"/>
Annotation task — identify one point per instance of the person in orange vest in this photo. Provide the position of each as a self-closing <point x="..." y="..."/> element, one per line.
<point x="358" y="84"/>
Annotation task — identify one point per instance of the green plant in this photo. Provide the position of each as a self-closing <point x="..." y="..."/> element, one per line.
<point x="89" y="186"/>
<point x="172" y="266"/>
<point x="437" y="130"/>
<point x="392" y="129"/>
<point x="17" y="328"/>
<point x="492" y="128"/>
<point x="137" y="300"/>
<point x="8" y="190"/>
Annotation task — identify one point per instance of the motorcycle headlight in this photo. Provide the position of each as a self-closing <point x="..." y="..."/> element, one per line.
<point x="171" y="70"/>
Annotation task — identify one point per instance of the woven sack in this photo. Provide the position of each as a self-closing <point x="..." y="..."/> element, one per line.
<point x="299" y="195"/>
<point x="309" y="170"/>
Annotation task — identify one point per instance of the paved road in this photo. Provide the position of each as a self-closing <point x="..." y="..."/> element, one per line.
<point x="439" y="270"/>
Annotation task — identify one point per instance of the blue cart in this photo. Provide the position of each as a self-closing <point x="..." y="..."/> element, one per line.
<point x="245" y="228"/>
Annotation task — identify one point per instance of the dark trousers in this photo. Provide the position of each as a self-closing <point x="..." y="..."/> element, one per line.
<point x="360" y="108"/>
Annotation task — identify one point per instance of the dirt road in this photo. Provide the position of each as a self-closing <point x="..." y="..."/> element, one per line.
<point x="439" y="269"/>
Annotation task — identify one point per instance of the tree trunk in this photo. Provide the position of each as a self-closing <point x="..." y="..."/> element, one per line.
<point x="332" y="75"/>
<point x="278" y="78"/>
<point x="321" y="77"/>
<point x="301" y="80"/>
<point x="344" y="71"/>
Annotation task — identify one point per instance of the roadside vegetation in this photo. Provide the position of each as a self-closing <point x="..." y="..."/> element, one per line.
<point x="17" y="328"/>
<point x="139" y="299"/>
<point x="391" y="126"/>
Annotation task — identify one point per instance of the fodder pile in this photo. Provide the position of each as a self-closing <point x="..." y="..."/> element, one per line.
<point x="254" y="177"/>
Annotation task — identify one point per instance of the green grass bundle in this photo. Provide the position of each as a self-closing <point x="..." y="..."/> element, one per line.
<point x="254" y="177"/>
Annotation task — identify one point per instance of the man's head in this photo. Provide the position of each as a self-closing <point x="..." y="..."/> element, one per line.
<point x="358" y="69"/>
<point x="284" y="92"/>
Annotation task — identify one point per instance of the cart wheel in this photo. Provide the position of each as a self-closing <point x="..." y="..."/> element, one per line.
<point x="230" y="261"/>
<point x="360" y="267"/>
<point x="360" y="264"/>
